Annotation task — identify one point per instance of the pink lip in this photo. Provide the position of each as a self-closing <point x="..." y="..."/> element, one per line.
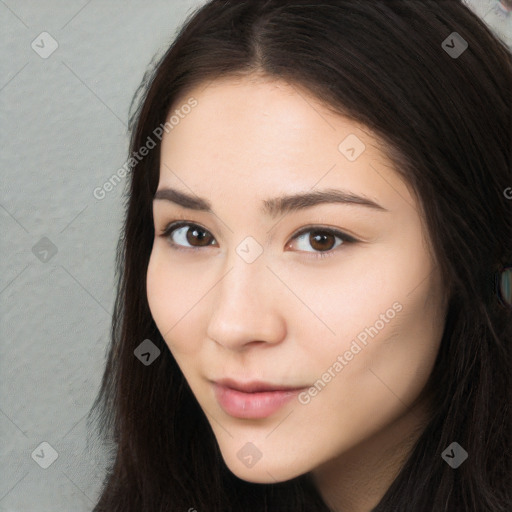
<point x="252" y="400"/>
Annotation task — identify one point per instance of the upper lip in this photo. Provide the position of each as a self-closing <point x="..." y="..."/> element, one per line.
<point x="254" y="386"/>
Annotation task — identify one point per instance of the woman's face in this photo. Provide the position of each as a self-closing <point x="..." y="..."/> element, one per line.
<point x="333" y="294"/>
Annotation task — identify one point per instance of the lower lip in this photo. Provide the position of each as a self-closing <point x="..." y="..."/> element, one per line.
<point x="252" y="405"/>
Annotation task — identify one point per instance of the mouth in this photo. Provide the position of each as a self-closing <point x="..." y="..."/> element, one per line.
<point x="252" y="400"/>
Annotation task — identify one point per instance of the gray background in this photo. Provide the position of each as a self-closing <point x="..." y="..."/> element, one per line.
<point x="63" y="134"/>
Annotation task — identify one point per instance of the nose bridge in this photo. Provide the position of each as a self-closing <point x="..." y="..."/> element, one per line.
<point x="245" y="284"/>
<point x="244" y="305"/>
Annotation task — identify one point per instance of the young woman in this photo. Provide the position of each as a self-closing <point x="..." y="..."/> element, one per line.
<point x="309" y="313"/>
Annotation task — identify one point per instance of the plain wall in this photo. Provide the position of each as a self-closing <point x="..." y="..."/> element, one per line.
<point x="63" y="134"/>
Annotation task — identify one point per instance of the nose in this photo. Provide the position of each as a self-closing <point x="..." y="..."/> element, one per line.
<point x="248" y="306"/>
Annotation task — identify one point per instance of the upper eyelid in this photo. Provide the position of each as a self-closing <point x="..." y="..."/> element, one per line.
<point x="319" y="227"/>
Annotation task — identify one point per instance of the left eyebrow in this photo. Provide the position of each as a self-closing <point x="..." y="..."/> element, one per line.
<point x="277" y="205"/>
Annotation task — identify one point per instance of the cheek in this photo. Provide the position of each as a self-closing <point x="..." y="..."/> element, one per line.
<point x="172" y="301"/>
<point x="404" y="360"/>
<point x="347" y="300"/>
<point x="158" y="291"/>
<point x="371" y="385"/>
<point x="388" y="323"/>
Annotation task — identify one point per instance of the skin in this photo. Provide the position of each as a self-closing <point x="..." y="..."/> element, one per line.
<point x="285" y="317"/>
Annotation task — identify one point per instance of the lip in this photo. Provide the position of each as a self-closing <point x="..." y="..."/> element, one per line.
<point x="252" y="400"/>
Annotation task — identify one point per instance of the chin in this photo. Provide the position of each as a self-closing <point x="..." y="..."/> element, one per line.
<point x="263" y="473"/>
<point x="259" y="477"/>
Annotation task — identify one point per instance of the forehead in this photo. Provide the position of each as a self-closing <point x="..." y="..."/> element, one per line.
<point x="244" y="134"/>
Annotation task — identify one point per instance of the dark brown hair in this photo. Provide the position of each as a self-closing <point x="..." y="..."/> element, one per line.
<point x="446" y="122"/>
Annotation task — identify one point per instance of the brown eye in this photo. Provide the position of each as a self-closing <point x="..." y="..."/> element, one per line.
<point x="186" y="235"/>
<point x="322" y="240"/>
<point x="196" y="234"/>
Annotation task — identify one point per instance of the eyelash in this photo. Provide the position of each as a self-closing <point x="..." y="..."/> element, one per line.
<point x="172" y="226"/>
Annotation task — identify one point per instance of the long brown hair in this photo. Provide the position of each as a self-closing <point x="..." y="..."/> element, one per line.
<point x="446" y="122"/>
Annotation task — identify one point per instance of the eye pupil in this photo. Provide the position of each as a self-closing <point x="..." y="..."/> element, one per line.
<point x="320" y="240"/>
